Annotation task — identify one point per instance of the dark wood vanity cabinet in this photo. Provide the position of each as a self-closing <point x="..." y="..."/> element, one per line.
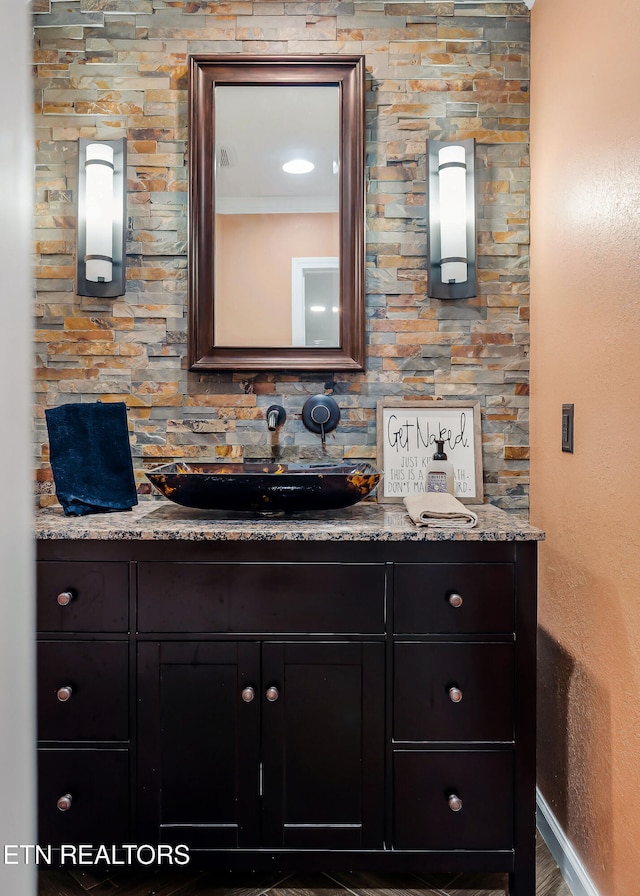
<point x="291" y="704"/>
<point x="278" y="700"/>
<point x="454" y="706"/>
<point x="84" y="712"/>
<point x="272" y="744"/>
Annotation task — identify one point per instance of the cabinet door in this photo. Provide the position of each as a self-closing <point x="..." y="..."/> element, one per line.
<point x="199" y="743"/>
<point x="83" y="690"/>
<point x="81" y="596"/>
<point x="483" y="602"/>
<point x="83" y="796"/>
<point x="458" y="799"/>
<point x="453" y="692"/>
<point x="323" y="745"/>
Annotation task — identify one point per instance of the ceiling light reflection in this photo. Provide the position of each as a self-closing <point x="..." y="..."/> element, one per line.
<point x="298" y="166"/>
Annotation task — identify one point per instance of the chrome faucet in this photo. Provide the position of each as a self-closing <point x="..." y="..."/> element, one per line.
<point x="276" y="415"/>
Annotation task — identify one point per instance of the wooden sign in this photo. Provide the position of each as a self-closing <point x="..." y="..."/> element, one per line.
<point x="406" y="437"/>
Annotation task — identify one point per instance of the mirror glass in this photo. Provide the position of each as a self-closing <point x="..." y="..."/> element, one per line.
<point x="276" y="191"/>
<point x="276" y="215"/>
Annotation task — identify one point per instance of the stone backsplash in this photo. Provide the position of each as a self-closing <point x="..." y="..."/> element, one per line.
<point x="108" y="68"/>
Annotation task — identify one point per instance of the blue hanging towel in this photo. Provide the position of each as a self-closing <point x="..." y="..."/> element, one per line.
<point x="90" y="457"/>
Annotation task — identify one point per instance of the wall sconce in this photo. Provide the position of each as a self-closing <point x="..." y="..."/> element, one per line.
<point x="102" y="206"/>
<point x="451" y="205"/>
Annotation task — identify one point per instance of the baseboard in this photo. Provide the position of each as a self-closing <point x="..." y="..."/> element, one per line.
<point x="566" y="857"/>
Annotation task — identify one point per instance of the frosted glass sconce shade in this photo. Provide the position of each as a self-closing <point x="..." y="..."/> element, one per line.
<point x="451" y="209"/>
<point x="102" y="167"/>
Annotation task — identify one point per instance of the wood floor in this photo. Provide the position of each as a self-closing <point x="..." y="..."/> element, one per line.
<point x="183" y="882"/>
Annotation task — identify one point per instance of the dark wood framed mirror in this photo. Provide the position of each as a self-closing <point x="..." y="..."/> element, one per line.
<point x="276" y="213"/>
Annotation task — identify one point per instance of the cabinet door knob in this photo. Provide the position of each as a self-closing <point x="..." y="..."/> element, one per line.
<point x="455" y="803"/>
<point x="455" y="600"/>
<point x="64" y="598"/>
<point x="455" y="694"/>
<point x="272" y="694"/>
<point x="248" y="694"/>
<point x="64" y="802"/>
<point x="63" y="694"/>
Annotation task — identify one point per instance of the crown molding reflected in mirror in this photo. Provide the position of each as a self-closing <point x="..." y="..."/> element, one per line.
<point x="251" y="224"/>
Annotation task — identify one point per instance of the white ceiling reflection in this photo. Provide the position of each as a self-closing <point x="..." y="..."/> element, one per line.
<point x="260" y="127"/>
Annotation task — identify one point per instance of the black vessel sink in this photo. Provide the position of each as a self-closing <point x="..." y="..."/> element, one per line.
<point x="265" y="488"/>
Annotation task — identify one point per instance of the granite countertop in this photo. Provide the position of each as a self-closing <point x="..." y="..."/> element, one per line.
<point x="154" y="520"/>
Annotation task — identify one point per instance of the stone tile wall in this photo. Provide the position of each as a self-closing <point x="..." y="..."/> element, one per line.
<point x="107" y="68"/>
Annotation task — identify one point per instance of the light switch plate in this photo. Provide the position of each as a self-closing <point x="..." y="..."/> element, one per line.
<point x="567" y="428"/>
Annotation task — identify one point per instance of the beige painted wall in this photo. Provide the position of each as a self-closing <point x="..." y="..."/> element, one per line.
<point x="585" y="335"/>
<point x="253" y="272"/>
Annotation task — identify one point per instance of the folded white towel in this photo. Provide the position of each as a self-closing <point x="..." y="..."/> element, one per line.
<point x="439" y="510"/>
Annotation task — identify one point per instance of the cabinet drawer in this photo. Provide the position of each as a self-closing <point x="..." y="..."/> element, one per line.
<point x="97" y="782"/>
<point x="99" y="596"/>
<point x="96" y="707"/>
<point x="422" y="593"/>
<point x="423" y="814"/>
<point x="453" y="692"/>
<point x="274" y="598"/>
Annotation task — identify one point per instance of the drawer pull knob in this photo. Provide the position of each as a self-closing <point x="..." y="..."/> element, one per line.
<point x="64" y="694"/>
<point x="455" y="695"/>
<point x="455" y="803"/>
<point x="455" y="600"/>
<point x="248" y="694"/>
<point x="64" y="598"/>
<point x="64" y="802"/>
<point x="272" y="694"/>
